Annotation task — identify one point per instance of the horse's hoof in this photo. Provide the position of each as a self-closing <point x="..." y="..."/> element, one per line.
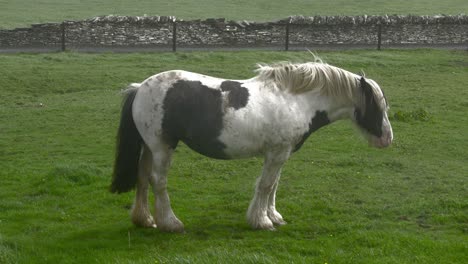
<point x="170" y="229"/>
<point x="147" y="222"/>
<point x="172" y="225"/>
<point x="145" y="225"/>
<point x="267" y="228"/>
<point x="276" y="218"/>
<point x="280" y="222"/>
<point x="262" y="224"/>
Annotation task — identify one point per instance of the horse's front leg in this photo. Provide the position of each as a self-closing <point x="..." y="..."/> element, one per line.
<point x="257" y="215"/>
<point x="274" y="215"/>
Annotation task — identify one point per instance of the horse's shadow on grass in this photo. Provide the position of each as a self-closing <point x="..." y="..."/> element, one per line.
<point x="129" y="236"/>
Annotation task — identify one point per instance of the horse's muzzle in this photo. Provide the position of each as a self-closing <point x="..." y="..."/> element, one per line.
<point x="382" y="142"/>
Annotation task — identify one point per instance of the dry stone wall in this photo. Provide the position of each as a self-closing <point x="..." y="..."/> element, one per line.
<point x="219" y="33"/>
<point x="40" y="35"/>
<point x="119" y="31"/>
<point x="158" y="32"/>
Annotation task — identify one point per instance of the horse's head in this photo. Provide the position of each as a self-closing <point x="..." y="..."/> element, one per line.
<point x="370" y="114"/>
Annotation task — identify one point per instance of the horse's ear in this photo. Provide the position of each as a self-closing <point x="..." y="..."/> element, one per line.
<point x="362" y="73"/>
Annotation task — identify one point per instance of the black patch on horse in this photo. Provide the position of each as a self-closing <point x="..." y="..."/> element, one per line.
<point x="319" y="120"/>
<point x="370" y="119"/>
<point x="193" y="114"/>
<point x="238" y="95"/>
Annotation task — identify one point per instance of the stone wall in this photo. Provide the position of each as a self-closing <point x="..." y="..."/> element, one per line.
<point x="39" y="35"/>
<point x="119" y="31"/>
<point x="219" y="33"/>
<point x="157" y="32"/>
<point x="395" y="30"/>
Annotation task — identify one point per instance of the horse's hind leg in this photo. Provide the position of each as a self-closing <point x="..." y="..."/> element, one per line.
<point x="141" y="215"/>
<point x="165" y="217"/>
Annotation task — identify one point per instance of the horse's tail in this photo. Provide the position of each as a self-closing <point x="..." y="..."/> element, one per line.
<point x="128" y="147"/>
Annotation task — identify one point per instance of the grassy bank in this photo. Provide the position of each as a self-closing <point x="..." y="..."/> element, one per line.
<point x="344" y="201"/>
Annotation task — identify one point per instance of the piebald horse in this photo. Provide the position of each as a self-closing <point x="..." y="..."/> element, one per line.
<point x="271" y="115"/>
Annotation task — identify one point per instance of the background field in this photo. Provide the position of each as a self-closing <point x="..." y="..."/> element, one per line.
<point x="17" y="13"/>
<point x="345" y="202"/>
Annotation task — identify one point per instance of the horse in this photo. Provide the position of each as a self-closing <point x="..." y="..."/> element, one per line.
<point x="269" y="115"/>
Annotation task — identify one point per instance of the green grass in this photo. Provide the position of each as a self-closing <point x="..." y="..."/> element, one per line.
<point x="15" y="13"/>
<point x="344" y="201"/>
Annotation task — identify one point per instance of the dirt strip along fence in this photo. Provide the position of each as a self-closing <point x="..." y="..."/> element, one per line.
<point x="170" y="34"/>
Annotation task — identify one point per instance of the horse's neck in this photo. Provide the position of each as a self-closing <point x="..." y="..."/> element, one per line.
<point x="340" y="113"/>
<point x="335" y="109"/>
<point x="342" y="102"/>
<point x="311" y="101"/>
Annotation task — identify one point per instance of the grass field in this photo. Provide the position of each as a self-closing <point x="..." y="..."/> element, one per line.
<point x="17" y="13"/>
<point x="344" y="201"/>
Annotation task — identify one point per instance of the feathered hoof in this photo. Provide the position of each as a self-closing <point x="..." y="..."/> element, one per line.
<point x="143" y="221"/>
<point x="263" y="223"/>
<point x="276" y="218"/>
<point x="171" y="225"/>
<point x="279" y="222"/>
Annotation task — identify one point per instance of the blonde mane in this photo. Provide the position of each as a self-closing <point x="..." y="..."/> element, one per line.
<point x="303" y="77"/>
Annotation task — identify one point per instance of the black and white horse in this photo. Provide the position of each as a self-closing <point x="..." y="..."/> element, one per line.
<point x="271" y="114"/>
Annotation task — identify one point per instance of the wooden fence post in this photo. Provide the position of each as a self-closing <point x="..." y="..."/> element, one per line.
<point x="63" y="36"/>
<point x="174" y="36"/>
<point x="286" y="44"/>
<point x="379" y="36"/>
